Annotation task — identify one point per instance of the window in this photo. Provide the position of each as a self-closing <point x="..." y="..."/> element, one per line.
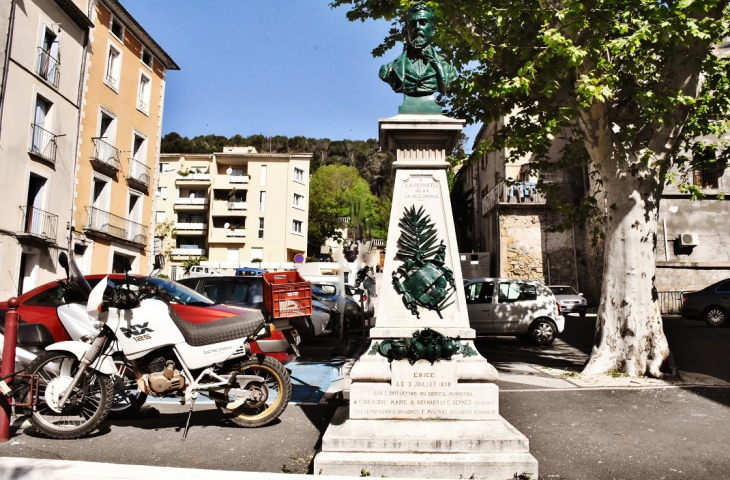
<point x="160" y="217"/>
<point x="263" y="175"/>
<point x="261" y="227"/>
<point x="296" y="226"/>
<point x="113" y="66"/>
<point x="146" y="57"/>
<point x="43" y="141"/>
<point x="513" y="292"/>
<point x="143" y="96"/>
<point x="298" y="201"/>
<point x="298" y="175"/>
<point x="162" y="192"/>
<point x="117" y="29"/>
<point x="48" y="58"/>
<point x="479" y="292"/>
<point x="257" y="254"/>
<point x="262" y="201"/>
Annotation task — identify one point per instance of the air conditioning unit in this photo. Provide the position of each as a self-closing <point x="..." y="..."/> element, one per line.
<point x="689" y="239"/>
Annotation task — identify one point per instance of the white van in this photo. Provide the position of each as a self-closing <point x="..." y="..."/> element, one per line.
<point x="510" y="306"/>
<point x="202" y="271"/>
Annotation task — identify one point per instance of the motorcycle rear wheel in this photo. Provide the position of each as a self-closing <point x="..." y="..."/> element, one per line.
<point x="276" y="386"/>
<point x="128" y="398"/>
<point x="85" y="409"/>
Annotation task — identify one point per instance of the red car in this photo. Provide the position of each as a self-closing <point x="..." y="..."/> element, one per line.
<point x="39" y="306"/>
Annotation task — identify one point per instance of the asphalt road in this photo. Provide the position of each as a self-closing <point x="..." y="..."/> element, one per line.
<point x="575" y="433"/>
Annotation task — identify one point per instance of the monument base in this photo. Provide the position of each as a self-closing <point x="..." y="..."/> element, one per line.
<point x="486" y="449"/>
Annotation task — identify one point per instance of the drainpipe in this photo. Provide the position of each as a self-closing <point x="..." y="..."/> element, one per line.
<point x="6" y="61"/>
<point x="575" y="263"/>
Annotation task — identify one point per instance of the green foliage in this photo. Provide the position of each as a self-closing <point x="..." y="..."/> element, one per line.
<point x="162" y="275"/>
<point x="333" y="190"/>
<point x="618" y="77"/>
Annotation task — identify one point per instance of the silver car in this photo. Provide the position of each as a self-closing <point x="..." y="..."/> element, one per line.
<point x="570" y="301"/>
<point x="509" y="306"/>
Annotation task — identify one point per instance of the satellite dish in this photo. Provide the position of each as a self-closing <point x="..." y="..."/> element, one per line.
<point x="226" y="225"/>
<point x="192" y="195"/>
<point x="229" y="170"/>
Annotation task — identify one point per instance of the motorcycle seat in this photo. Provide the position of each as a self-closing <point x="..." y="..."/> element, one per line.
<point x="218" y="331"/>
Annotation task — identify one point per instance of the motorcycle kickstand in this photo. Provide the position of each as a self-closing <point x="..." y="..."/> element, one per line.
<point x="190" y="414"/>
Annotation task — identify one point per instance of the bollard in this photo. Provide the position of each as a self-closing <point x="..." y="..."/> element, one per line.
<point x="8" y="367"/>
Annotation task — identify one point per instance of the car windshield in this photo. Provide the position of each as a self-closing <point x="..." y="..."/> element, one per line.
<point x="181" y="293"/>
<point x="563" y="291"/>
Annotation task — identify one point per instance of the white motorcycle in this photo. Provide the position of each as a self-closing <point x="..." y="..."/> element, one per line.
<point x="70" y="389"/>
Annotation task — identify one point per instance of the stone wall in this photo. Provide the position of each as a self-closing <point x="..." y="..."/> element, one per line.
<point x="521" y="239"/>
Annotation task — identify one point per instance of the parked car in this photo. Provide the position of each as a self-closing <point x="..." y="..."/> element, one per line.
<point x="248" y="291"/>
<point x="710" y="304"/>
<point x="202" y="271"/>
<point x="570" y="301"/>
<point x="249" y="272"/>
<point x="39" y="306"/>
<point x="508" y="306"/>
<point x="367" y="301"/>
<point x="327" y="293"/>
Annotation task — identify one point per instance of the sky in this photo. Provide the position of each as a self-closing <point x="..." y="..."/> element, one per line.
<point x="274" y="67"/>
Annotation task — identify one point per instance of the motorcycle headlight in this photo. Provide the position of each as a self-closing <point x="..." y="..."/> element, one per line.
<point x="97" y="324"/>
<point x="87" y="338"/>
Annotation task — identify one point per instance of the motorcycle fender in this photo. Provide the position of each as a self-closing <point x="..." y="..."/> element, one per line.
<point x="104" y="364"/>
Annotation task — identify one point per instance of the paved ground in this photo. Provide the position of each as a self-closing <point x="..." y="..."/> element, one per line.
<point x="578" y="428"/>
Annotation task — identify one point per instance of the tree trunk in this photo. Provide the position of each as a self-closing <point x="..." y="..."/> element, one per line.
<point x="629" y="336"/>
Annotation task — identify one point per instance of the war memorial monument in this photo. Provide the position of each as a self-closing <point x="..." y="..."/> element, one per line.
<point x="423" y="402"/>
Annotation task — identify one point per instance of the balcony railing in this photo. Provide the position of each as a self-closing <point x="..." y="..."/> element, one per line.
<point x="193" y="177"/>
<point x="238" y="178"/>
<point x="139" y="172"/>
<point x="239" y="232"/>
<point x="188" y="226"/>
<point x="191" y="201"/>
<point x="43" y="143"/>
<point x="49" y="68"/>
<point x="38" y="223"/>
<point x="106" y="154"/>
<point x="142" y="105"/>
<point x="521" y="193"/>
<point x="187" y="252"/>
<point x="237" y="205"/>
<point x="116" y="226"/>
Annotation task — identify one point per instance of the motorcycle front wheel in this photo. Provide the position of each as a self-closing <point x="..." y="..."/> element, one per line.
<point x="273" y="394"/>
<point x="85" y="409"/>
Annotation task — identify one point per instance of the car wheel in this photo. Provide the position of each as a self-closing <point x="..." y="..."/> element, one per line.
<point x="715" y="316"/>
<point x="542" y="332"/>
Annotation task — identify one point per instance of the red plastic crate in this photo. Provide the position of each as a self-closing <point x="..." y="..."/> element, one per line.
<point x="287" y="294"/>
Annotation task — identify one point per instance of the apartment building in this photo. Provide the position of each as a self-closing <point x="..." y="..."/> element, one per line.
<point x="119" y="142"/>
<point x="234" y="207"/>
<point x="45" y="55"/>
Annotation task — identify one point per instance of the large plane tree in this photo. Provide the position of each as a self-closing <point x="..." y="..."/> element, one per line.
<point x="637" y="82"/>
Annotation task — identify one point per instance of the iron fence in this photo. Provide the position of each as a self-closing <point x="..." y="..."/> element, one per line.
<point x="106" y="154"/>
<point x="670" y="303"/>
<point x="39" y="223"/>
<point x="116" y="226"/>
<point x="48" y="67"/>
<point x="43" y="143"/>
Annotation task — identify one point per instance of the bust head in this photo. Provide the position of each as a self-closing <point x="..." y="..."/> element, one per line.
<point x="419" y="23"/>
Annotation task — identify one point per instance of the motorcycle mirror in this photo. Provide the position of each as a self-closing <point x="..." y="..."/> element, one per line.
<point x="159" y="262"/>
<point x="63" y="260"/>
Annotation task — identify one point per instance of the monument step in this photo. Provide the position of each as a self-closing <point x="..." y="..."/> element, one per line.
<point x="487" y="466"/>
<point x="434" y="436"/>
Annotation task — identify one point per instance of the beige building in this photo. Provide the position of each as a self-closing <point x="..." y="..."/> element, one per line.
<point x="234" y="208"/>
<point x="119" y="142"/>
<point x="44" y="61"/>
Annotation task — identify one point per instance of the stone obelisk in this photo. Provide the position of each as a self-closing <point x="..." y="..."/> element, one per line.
<point x="423" y="402"/>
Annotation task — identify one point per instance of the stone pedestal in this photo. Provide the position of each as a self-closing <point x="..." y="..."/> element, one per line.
<point x="418" y="419"/>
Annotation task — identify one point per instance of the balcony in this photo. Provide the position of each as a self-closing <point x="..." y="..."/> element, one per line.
<point x="524" y="193"/>
<point x="192" y="178"/>
<point x="39" y="224"/>
<point x="227" y="235"/>
<point x="708" y="178"/>
<point x="110" y="225"/>
<point x="195" y="203"/>
<point x="190" y="229"/>
<point x="139" y="173"/>
<point x="187" y="251"/>
<point x="223" y="208"/>
<point x="49" y="68"/>
<point x="43" y="143"/>
<point x="227" y="182"/>
<point x="105" y="156"/>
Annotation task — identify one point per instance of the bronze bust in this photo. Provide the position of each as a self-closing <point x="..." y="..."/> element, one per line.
<point x="419" y="71"/>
